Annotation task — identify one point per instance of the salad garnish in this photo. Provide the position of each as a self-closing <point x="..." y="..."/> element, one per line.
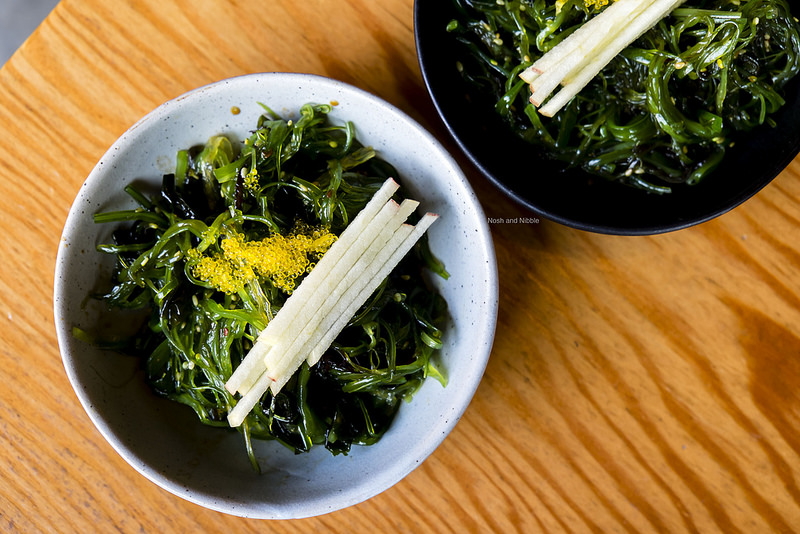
<point x="577" y="59"/>
<point x="367" y="251"/>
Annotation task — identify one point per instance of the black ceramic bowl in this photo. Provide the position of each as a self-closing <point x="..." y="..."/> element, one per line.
<point x="571" y="196"/>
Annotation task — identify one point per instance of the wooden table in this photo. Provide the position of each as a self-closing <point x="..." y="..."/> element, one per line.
<point x="647" y="384"/>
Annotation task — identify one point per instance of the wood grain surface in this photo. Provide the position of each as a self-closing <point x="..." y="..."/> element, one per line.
<point x="642" y="384"/>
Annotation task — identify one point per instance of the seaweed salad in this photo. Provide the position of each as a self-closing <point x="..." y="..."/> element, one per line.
<point x="664" y="111"/>
<point x="213" y="256"/>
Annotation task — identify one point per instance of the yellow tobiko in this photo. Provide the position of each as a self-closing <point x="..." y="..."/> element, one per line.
<point x="597" y="4"/>
<point x="282" y="259"/>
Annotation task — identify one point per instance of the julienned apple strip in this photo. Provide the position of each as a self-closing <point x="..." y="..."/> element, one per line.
<point x="377" y="249"/>
<point x="251" y="368"/>
<point x="582" y="40"/>
<point x="287" y="326"/>
<point x="612" y="30"/>
<point x="601" y="33"/>
<point x="309" y="304"/>
<point x="576" y="81"/>
<point x="355" y="296"/>
<point x="406" y="236"/>
<point x="322" y="303"/>
<point x="375" y="272"/>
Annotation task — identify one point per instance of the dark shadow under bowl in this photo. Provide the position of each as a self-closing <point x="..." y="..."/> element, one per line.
<point x="571" y="196"/>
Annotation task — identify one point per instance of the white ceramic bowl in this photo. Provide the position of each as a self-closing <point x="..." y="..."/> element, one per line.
<point x="163" y="440"/>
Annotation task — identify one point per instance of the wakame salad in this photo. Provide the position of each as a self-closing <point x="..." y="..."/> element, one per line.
<point x="664" y="111"/>
<point x="212" y="257"/>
